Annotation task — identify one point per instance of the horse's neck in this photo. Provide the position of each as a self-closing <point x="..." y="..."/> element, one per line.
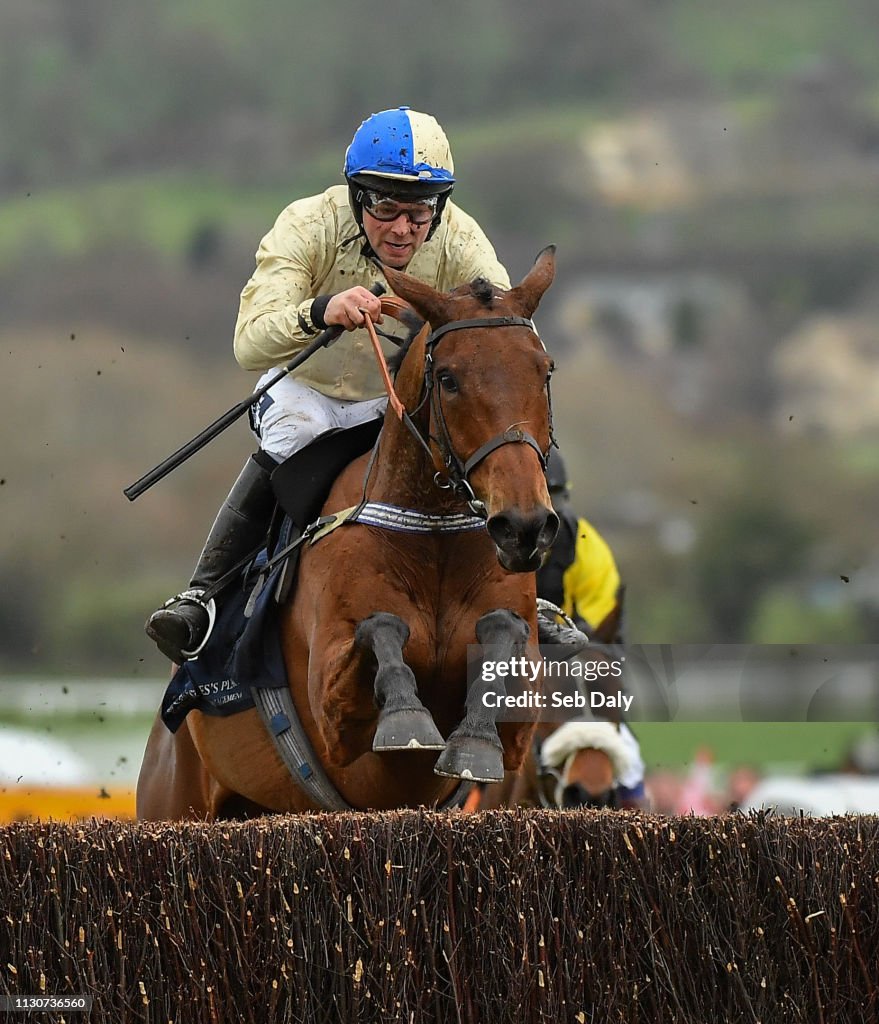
<point x="403" y="474"/>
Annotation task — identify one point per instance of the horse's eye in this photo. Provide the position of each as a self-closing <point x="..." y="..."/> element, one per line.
<point x="447" y="382"/>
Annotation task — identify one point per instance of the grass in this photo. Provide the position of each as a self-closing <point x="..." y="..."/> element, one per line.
<point x="112" y="745"/>
<point x="159" y="212"/>
<point x="779" y="218"/>
<point x="786" y="746"/>
<point x="162" y="211"/>
<point x="861" y="458"/>
<point x="767" y="41"/>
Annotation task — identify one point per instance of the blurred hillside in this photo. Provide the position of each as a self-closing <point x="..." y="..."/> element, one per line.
<point x="709" y="172"/>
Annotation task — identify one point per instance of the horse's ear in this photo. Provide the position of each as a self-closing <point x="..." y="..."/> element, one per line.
<point x="430" y="304"/>
<point x="528" y="293"/>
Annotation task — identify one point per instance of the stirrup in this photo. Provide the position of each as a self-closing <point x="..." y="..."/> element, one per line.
<point x="195" y="596"/>
<point x="548" y="610"/>
<point x="567" y="636"/>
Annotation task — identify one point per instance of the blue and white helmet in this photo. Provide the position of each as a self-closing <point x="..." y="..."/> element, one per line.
<point x="401" y="153"/>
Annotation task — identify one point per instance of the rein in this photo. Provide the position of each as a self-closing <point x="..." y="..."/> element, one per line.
<point x="457" y="470"/>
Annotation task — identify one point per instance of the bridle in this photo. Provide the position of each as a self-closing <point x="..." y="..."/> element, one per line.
<point x="455" y="476"/>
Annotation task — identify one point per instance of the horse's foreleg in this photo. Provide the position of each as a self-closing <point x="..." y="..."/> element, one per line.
<point x="474" y="750"/>
<point x="404" y="723"/>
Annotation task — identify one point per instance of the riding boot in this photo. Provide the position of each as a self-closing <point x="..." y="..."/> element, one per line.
<point x="182" y="626"/>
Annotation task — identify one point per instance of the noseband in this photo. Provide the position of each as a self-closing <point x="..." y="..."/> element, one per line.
<point x="458" y="470"/>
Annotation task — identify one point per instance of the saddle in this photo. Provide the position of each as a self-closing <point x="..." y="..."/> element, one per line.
<point x="302" y="482"/>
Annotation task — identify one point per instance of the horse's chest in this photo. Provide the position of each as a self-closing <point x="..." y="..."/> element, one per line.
<point x="441" y="591"/>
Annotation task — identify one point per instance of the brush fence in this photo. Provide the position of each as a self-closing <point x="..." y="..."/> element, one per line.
<point x="417" y="917"/>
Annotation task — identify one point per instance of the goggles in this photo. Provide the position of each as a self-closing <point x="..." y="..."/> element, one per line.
<point x="385" y="208"/>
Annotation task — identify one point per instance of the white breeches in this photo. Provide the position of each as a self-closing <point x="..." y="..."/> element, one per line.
<point x="291" y="415"/>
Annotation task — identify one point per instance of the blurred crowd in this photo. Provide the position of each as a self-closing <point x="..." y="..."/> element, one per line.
<point x="706" y="788"/>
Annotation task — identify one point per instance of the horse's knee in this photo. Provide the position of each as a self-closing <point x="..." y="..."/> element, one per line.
<point x="379" y="627"/>
<point x="385" y="635"/>
<point x="508" y="634"/>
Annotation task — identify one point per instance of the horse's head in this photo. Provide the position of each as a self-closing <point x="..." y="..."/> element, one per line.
<point x="579" y="763"/>
<point x="484" y="375"/>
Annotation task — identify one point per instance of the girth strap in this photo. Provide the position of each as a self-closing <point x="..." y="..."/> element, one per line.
<point x="278" y="712"/>
<point x="279" y="715"/>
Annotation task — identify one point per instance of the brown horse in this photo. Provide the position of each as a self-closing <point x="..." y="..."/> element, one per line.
<point x="375" y="635"/>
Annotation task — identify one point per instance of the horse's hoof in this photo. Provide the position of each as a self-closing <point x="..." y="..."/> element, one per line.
<point x="472" y="759"/>
<point x="412" y="729"/>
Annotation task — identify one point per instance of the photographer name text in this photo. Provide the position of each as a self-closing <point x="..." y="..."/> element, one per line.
<point x="556" y="699"/>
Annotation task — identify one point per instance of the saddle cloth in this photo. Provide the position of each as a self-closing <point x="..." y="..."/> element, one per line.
<point x="240" y="653"/>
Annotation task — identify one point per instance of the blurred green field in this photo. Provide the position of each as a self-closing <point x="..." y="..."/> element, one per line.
<point x="789" y="746"/>
<point x="111" y="745"/>
<point x="767" y="41"/>
<point x="114" y="743"/>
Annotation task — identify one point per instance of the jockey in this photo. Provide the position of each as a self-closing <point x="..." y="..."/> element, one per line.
<point x="580" y="576"/>
<point x="313" y="270"/>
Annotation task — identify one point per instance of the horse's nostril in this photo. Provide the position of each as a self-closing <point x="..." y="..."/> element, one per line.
<point x="501" y="530"/>
<point x="574" y="795"/>
<point x="548" y="533"/>
<point x="535" y="532"/>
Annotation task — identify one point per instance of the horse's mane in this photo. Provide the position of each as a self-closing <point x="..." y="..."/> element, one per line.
<point x="483" y="290"/>
<point x="480" y="288"/>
